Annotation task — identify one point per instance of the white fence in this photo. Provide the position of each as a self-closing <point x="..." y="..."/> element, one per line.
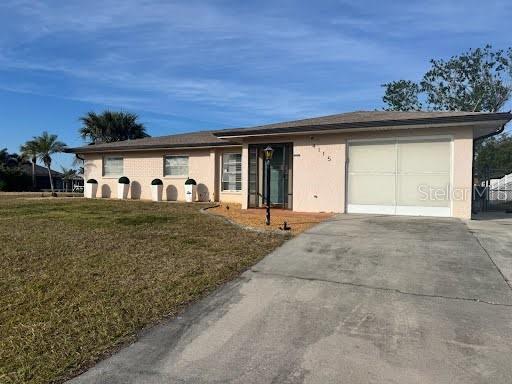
<point x="500" y="190"/>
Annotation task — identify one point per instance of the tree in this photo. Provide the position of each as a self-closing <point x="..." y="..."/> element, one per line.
<point x="477" y="81"/>
<point x="11" y="160"/>
<point x="111" y="126"/>
<point x="4" y="154"/>
<point x="493" y="159"/>
<point x="13" y="179"/>
<point x="12" y="176"/>
<point x="29" y="150"/>
<point x="46" y="145"/>
<point x="474" y="81"/>
<point x="402" y="95"/>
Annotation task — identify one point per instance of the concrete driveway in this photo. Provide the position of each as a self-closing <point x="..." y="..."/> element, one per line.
<point x="359" y="299"/>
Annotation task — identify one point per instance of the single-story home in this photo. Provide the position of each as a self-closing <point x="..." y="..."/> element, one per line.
<point x="406" y="163"/>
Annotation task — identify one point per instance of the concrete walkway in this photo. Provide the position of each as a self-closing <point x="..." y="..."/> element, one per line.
<point x="359" y="299"/>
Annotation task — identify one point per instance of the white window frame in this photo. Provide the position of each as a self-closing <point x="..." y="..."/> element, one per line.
<point x="112" y="176"/>
<point x="176" y="176"/>
<point x="222" y="173"/>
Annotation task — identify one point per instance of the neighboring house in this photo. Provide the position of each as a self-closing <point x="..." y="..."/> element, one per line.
<point x="42" y="179"/>
<point x="74" y="183"/>
<point x="412" y="163"/>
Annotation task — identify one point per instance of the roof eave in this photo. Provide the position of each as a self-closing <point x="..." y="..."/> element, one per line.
<point x="148" y="147"/>
<point x="367" y="125"/>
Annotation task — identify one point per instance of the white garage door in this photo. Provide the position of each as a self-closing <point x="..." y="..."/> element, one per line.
<point x="400" y="176"/>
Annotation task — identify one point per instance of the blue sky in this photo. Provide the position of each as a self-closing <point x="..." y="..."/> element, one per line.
<point x="191" y="65"/>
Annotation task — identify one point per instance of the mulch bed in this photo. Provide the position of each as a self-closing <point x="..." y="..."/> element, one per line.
<point x="255" y="218"/>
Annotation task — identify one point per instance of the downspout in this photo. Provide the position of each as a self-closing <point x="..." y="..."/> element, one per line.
<point x="83" y="162"/>
<point x="499" y="131"/>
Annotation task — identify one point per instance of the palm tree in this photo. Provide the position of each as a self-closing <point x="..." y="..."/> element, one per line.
<point x="47" y="145"/>
<point x="29" y="150"/>
<point x="111" y="126"/>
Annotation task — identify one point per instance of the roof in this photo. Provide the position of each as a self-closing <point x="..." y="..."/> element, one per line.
<point x="40" y="171"/>
<point x="76" y="176"/>
<point x="350" y="120"/>
<point x="366" y="119"/>
<point x="193" y="139"/>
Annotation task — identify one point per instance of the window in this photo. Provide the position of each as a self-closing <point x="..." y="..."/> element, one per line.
<point x="232" y="172"/>
<point x="112" y="166"/>
<point x="176" y="166"/>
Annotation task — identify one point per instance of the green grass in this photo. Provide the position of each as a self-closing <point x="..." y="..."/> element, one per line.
<point x="80" y="277"/>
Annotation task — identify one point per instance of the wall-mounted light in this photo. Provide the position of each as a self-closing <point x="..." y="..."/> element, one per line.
<point x="268" y="152"/>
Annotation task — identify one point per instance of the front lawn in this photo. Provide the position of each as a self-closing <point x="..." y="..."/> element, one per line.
<point x="79" y="277"/>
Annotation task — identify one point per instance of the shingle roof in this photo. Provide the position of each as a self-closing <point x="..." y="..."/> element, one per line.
<point x="350" y="120"/>
<point x="365" y="119"/>
<point x="40" y="171"/>
<point x="193" y="139"/>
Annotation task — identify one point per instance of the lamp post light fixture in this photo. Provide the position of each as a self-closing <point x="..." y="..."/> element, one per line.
<point x="268" y="156"/>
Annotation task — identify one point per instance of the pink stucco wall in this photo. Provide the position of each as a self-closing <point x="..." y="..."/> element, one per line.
<point x="142" y="167"/>
<point x="319" y="178"/>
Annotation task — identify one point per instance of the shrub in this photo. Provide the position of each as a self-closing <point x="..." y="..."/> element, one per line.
<point x="13" y="179"/>
<point x="123" y="180"/>
<point x="157" y="182"/>
<point x="190" y="182"/>
<point x="92" y="181"/>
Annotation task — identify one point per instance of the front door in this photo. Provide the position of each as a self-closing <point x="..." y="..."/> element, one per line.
<point x="280" y="176"/>
<point x="277" y="177"/>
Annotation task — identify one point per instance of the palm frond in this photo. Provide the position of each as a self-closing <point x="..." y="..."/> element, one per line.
<point x="111" y="126"/>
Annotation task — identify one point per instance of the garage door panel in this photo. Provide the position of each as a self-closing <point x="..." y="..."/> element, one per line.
<point x="428" y="190"/>
<point x="370" y="158"/>
<point x="362" y="189"/>
<point x="431" y="156"/>
<point x="410" y="177"/>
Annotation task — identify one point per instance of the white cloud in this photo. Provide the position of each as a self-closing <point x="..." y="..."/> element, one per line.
<point x="144" y="54"/>
<point x="237" y="63"/>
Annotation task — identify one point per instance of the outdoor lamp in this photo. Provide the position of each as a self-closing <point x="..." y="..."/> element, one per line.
<point x="268" y="152"/>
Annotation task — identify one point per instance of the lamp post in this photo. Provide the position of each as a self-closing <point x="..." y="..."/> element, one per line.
<point x="268" y="156"/>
